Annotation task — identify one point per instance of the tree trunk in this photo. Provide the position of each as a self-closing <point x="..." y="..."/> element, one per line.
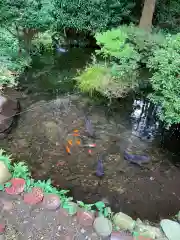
<point x="147" y="14"/>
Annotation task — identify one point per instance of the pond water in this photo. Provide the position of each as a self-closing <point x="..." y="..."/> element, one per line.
<point x="52" y="109"/>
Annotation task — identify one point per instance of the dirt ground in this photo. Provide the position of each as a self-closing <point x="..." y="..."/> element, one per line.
<point x="34" y="222"/>
<point x="151" y="192"/>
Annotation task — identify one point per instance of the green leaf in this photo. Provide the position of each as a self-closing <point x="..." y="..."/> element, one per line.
<point x="107" y="211"/>
<point x="62" y="192"/>
<point x="8" y="184"/>
<point x="1" y="187"/>
<point x="100" y="205"/>
<point x="80" y="203"/>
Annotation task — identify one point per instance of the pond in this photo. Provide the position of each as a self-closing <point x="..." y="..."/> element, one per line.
<point x="52" y="109"/>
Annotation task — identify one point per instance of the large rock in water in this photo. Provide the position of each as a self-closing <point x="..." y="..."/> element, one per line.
<point x="8" y="110"/>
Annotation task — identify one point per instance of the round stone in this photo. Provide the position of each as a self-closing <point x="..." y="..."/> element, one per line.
<point x="123" y="221"/>
<point x="5" y="174"/>
<point x="51" y="201"/>
<point x="85" y="218"/>
<point x="102" y="226"/>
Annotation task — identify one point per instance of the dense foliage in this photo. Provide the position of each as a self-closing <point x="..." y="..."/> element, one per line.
<point x="92" y="15"/>
<point x="12" y="62"/>
<point x="165" y="64"/>
<point x="167" y="15"/>
<point x="125" y="50"/>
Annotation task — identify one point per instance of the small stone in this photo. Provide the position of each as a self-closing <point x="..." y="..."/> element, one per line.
<point x="121" y="236"/>
<point x="171" y="229"/>
<point x="34" y="197"/>
<point x="123" y="221"/>
<point x="5" y="175"/>
<point x="85" y="218"/>
<point x="7" y="205"/>
<point x="17" y="186"/>
<point x="63" y="212"/>
<point x="51" y="201"/>
<point x="102" y="226"/>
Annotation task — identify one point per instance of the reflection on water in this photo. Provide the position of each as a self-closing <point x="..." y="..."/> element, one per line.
<point x="144" y="122"/>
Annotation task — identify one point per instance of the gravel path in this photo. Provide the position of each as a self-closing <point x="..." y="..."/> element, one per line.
<point x="34" y="222"/>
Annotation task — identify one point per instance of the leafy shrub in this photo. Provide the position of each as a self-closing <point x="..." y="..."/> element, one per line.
<point x="119" y="75"/>
<point x="165" y="64"/>
<point x="92" y="78"/>
<point x="144" y="42"/>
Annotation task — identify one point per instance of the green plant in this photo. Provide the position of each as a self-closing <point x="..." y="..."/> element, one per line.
<point x="118" y="75"/>
<point x="86" y="207"/>
<point x="103" y="210"/>
<point x="11" y="60"/>
<point x="165" y="80"/>
<point x="3" y="186"/>
<point x="167" y="15"/>
<point x="20" y="170"/>
<point x="91" y="79"/>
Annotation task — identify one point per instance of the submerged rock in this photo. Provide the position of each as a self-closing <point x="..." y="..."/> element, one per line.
<point x="171" y="229"/>
<point x="102" y="226"/>
<point x="123" y="221"/>
<point x="5" y="175"/>
<point x="8" y="111"/>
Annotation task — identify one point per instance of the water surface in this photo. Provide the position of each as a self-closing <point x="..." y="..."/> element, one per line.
<point x="53" y="108"/>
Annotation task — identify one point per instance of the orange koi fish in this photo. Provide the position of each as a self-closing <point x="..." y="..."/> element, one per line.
<point x="68" y="150"/>
<point x="78" y="142"/>
<point x="70" y="142"/>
